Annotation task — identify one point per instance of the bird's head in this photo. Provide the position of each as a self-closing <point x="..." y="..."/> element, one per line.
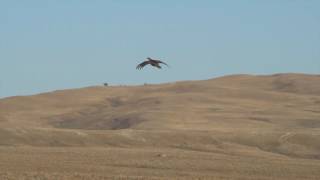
<point x="149" y="58"/>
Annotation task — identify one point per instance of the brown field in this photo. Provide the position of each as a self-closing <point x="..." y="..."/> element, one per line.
<point x="233" y="127"/>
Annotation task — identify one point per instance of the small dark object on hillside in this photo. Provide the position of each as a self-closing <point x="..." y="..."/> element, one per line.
<point x="162" y="155"/>
<point x="106" y="84"/>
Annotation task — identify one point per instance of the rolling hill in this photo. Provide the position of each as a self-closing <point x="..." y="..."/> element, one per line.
<point x="232" y="127"/>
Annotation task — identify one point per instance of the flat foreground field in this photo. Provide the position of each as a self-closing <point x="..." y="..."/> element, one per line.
<point x="147" y="163"/>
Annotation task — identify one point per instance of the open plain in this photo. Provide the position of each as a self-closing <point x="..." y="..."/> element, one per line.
<point x="232" y="127"/>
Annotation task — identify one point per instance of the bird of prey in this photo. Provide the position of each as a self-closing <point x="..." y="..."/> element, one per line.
<point x="152" y="62"/>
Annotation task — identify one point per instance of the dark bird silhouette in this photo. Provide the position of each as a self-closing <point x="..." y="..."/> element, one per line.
<point x="152" y="62"/>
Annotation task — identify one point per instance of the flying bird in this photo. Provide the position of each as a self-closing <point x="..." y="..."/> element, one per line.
<point x="152" y="62"/>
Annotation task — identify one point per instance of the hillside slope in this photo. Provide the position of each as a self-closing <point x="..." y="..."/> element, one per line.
<point x="253" y="118"/>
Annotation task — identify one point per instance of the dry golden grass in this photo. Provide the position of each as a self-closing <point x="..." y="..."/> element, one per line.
<point x="234" y="127"/>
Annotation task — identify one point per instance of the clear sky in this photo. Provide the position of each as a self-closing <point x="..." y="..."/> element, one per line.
<point x="56" y="44"/>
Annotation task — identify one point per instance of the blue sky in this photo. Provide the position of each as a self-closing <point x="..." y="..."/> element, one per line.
<point x="57" y="44"/>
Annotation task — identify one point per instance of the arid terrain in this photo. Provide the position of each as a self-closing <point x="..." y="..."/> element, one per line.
<point x="233" y="127"/>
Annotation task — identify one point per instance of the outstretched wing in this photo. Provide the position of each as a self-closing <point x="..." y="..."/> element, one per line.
<point x="141" y="65"/>
<point x="158" y="61"/>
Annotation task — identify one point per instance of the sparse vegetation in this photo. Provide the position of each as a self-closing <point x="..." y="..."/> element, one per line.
<point x="234" y="127"/>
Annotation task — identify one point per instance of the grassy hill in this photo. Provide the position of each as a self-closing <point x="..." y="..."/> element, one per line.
<point x="232" y="127"/>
